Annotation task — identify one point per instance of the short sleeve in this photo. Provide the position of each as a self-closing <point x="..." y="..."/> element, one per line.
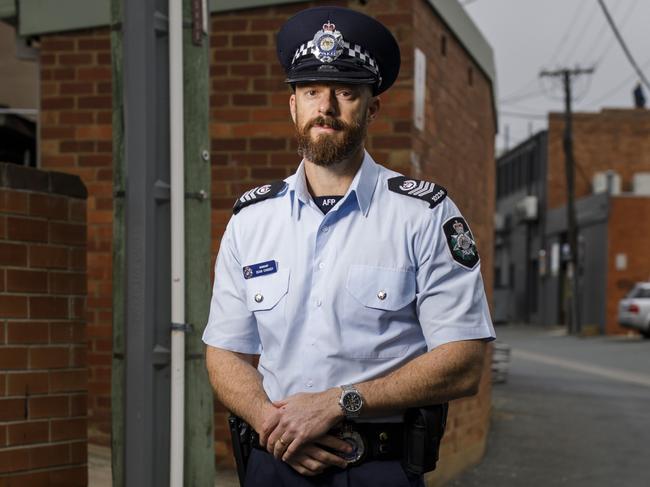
<point x="231" y="325"/>
<point x="451" y="302"/>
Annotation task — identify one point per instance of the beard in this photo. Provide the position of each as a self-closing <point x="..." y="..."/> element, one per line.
<point x="330" y="149"/>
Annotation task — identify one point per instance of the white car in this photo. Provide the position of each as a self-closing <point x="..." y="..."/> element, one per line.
<point x="634" y="309"/>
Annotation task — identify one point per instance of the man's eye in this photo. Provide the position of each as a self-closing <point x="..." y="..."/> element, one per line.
<point x="345" y="94"/>
<point x="311" y="92"/>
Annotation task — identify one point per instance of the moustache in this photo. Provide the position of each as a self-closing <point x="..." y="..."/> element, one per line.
<point x="327" y="122"/>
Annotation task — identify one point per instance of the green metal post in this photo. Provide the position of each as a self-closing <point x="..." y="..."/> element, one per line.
<point x="199" y="468"/>
<point x="117" y="372"/>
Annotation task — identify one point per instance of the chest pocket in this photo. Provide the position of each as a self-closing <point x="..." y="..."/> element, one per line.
<point x="380" y="317"/>
<point x="265" y="292"/>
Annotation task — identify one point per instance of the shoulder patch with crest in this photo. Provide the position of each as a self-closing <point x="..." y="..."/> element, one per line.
<point x="258" y="194"/>
<point x="423" y="190"/>
<point x="461" y="242"/>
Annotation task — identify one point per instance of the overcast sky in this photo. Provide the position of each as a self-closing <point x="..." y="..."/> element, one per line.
<point x="530" y="35"/>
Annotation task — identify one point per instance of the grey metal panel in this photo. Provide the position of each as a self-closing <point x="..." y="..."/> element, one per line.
<point x="593" y="274"/>
<point x="589" y="210"/>
<point x="43" y="16"/>
<point x="146" y="153"/>
<point x="7" y="9"/>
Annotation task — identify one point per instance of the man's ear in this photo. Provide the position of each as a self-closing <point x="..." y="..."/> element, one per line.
<point x="292" y="106"/>
<point x="373" y="108"/>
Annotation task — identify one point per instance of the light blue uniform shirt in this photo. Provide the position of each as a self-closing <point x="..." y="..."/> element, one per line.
<point x="320" y="320"/>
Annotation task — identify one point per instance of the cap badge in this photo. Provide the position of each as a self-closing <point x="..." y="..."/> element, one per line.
<point x="328" y="43"/>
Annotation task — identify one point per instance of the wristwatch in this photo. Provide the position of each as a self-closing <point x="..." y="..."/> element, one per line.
<point x="351" y="401"/>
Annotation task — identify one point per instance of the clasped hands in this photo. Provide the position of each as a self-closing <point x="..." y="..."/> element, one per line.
<point x="295" y="430"/>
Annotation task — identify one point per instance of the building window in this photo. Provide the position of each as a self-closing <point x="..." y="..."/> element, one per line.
<point x="470" y="76"/>
<point x="443" y="45"/>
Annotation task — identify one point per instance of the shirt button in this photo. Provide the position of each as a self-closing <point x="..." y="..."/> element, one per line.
<point x="259" y="298"/>
<point x="321" y="265"/>
<point x="309" y="383"/>
<point x="326" y="229"/>
<point x="381" y="295"/>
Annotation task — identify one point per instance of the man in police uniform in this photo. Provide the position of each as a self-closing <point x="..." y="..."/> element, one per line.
<point x="358" y="288"/>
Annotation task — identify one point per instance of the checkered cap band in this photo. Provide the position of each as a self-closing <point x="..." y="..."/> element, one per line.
<point x="352" y="50"/>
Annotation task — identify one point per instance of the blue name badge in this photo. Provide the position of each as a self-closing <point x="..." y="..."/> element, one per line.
<point x="261" y="269"/>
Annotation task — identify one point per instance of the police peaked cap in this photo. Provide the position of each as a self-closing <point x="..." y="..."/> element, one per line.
<point x="338" y="44"/>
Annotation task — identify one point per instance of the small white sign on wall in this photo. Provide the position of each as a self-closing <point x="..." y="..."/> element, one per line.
<point x="555" y="259"/>
<point x="419" y="91"/>
<point x="621" y="262"/>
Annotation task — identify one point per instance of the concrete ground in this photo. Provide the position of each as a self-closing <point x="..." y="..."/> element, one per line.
<point x="573" y="412"/>
<point x="99" y="470"/>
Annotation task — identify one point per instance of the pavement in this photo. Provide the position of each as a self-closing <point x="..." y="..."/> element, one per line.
<point x="573" y="412"/>
<point x="99" y="470"/>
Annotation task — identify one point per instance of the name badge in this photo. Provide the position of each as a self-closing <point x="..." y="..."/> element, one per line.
<point x="261" y="269"/>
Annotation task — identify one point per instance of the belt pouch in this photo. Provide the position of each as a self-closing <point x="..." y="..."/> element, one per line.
<point x="423" y="430"/>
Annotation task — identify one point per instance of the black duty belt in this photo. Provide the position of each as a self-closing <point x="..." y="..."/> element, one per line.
<point x="371" y="441"/>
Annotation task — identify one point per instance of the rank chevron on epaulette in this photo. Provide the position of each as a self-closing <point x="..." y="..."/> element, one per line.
<point x="258" y="194"/>
<point x="423" y="190"/>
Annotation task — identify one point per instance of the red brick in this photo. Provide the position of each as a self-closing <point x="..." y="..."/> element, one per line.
<point x="48" y="256"/>
<point x="14" y="460"/>
<point x="3" y="381"/>
<point x="62" y="74"/>
<point x="67" y="283"/>
<point x="49" y="407"/>
<point x="75" y="89"/>
<point x="67" y="233"/>
<point x="28" y="432"/>
<point x="13" y="201"/>
<point x="94" y="74"/>
<point x="55" y="103"/>
<point x="77" y="211"/>
<point x="77" y="259"/>
<point x="26" y="281"/>
<point x="48" y="206"/>
<point x="78" y="404"/>
<point x="11" y="410"/>
<point x="68" y="380"/>
<point x="96" y="102"/>
<point x="251" y="70"/>
<point x="68" y="429"/>
<point x="27" y="383"/>
<point x="19" y="332"/>
<point x="246" y="100"/>
<point x="3" y="436"/>
<point x="94" y="132"/>
<point x="67" y="332"/>
<point x="47" y="307"/>
<point x="26" y="229"/>
<point x="13" y="306"/>
<point x="94" y="44"/>
<point x="268" y="173"/>
<point x="49" y="456"/>
<point x="265" y="144"/>
<point x="49" y="357"/>
<point x="75" y="59"/>
<point x="12" y="254"/>
<point x="79" y="452"/>
<point x="70" y="117"/>
<point x="228" y="24"/>
<point x="96" y="160"/>
<point x="53" y="44"/>
<point x="70" y="477"/>
<point x="249" y="40"/>
<point x="13" y="358"/>
<point x="103" y="58"/>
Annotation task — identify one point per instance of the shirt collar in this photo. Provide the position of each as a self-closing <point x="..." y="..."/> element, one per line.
<point x="362" y="186"/>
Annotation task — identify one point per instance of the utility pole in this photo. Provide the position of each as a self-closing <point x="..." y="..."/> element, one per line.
<point x="567" y="76"/>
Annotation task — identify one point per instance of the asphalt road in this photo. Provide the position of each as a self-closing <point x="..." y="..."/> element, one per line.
<point x="573" y="412"/>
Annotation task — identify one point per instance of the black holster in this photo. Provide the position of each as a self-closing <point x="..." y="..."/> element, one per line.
<point x="423" y="431"/>
<point x="242" y="436"/>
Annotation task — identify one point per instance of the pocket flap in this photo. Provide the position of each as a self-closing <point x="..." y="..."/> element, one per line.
<point x="264" y="292"/>
<point x="381" y="287"/>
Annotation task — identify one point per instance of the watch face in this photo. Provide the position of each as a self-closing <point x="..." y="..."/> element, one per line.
<point x="352" y="402"/>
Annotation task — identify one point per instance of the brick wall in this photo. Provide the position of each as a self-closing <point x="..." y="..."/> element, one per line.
<point x="628" y="233"/>
<point x="610" y="139"/>
<point x="43" y="386"/>
<point x="76" y="138"/>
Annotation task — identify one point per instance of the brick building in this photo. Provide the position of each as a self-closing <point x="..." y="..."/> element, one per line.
<point x="252" y="142"/>
<point x="612" y="152"/>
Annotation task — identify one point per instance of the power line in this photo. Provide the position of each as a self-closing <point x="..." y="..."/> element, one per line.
<point x="567" y="32"/>
<point x="626" y="16"/>
<point x="623" y="45"/>
<point x="571" y="51"/>
<point x="614" y="89"/>
<point x="528" y="116"/>
<point x="524" y="96"/>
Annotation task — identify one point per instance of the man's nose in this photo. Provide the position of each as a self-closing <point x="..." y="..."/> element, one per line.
<point x="328" y="105"/>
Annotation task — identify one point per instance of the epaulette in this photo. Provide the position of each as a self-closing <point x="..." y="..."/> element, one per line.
<point x="258" y="194"/>
<point x="423" y="190"/>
